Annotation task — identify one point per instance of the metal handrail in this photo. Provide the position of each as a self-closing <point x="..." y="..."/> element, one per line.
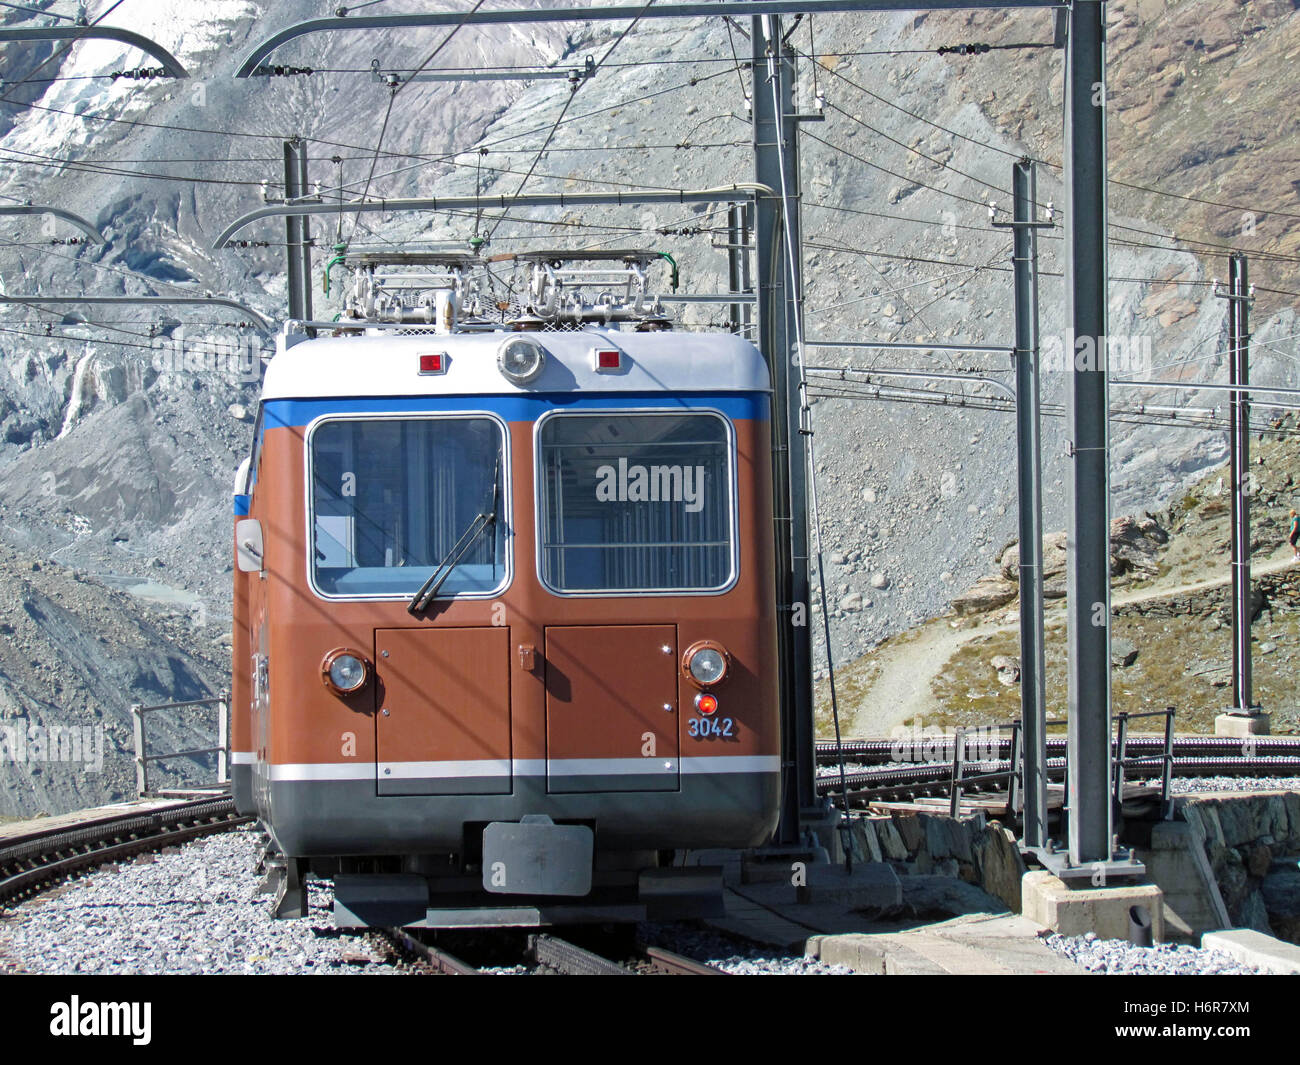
<point x="221" y="749"/>
<point x="1122" y="761"/>
<point x="958" y="780"/>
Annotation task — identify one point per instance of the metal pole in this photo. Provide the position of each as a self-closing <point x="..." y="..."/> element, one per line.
<point x="1088" y="574"/>
<point x="778" y="303"/>
<point x="293" y="231"/>
<point x="223" y="738"/>
<point x="304" y="231"/>
<point x="1033" y="698"/>
<point x="137" y="729"/>
<point x="746" y="270"/>
<point x="733" y="264"/>
<point x="1238" y="309"/>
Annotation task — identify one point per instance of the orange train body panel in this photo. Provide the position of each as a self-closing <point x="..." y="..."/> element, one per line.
<point x="317" y="726"/>
<point x="523" y="699"/>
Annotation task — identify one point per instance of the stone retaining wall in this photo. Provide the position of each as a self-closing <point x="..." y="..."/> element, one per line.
<point x="1252" y="843"/>
<point x="972" y="849"/>
<point x="1274" y="593"/>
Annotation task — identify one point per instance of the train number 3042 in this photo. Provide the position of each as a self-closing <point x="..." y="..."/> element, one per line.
<point x="705" y="727"/>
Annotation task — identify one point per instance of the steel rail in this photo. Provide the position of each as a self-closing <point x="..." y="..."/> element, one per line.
<point x="42" y="858"/>
<point x="252" y="66"/>
<point x="673" y="964"/>
<point x="171" y="65"/>
<point x="434" y="957"/>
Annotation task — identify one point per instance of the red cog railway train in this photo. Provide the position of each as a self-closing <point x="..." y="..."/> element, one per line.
<point x="505" y="633"/>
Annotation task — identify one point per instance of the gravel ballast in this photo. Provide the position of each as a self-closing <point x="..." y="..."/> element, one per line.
<point x="192" y="910"/>
<point x="196" y="910"/>
<point x="1114" y="956"/>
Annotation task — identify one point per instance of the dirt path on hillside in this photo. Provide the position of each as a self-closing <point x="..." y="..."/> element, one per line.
<point x="901" y="689"/>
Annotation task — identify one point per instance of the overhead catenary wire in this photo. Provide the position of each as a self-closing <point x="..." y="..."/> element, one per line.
<point x="58" y="53"/>
<point x="392" y="97"/>
<point x="573" y="92"/>
<point x="36" y="11"/>
<point x="1053" y="164"/>
<point x="831" y="389"/>
<point x="1006" y="269"/>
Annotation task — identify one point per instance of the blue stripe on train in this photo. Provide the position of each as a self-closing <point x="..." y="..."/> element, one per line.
<point x="241" y="506"/>
<point x="739" y="406"/>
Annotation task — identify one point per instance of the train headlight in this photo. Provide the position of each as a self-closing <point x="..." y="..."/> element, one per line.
<point x="706" y="663"/>
<point x="345" y="671"/>
<point x="520" y="360"/>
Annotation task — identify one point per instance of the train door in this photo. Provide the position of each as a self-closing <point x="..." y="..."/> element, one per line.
<point x="443" y="726"/>
<point x="611" y="708"/>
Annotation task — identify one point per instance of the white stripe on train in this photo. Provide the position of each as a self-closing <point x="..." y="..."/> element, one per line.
<point x="521" y="767"/>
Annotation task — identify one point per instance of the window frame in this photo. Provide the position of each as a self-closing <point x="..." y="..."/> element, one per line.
<point x="507" y="499"/>
<point x="733" y="510"/>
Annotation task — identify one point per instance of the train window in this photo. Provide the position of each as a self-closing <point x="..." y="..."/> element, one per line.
<point x="636" y="502"/>
<point x="392" y="497"/>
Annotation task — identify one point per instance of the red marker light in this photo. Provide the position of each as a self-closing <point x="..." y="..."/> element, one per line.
<point x="706" y="704"/>
<point x="433" y="363"/>
<point x="608" y="361"/>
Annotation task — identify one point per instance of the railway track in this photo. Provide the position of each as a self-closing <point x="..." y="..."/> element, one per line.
<point x="561" y="956"/>
<point x="939" y="748"/>
<point x="428" y="958"/>
<point x="879" y="775"/>
<point x="548" y="953"/>
<point x="37" y="860"/>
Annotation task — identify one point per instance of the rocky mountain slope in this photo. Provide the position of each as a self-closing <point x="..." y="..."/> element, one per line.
<point x="116" y="459"/>
<point x="1171" y="634"/>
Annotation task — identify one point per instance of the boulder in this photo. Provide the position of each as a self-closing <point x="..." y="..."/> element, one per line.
<point x="1008" y="669"/>
<point x="1054" y="559"/>
<point x="1135" y="546"/>
<point x="987" y="593"/>
<point x="1122" y="652"/>
<point x="1134" y="549"/>
<point x="1258" y="859"/>
<point x="1240" y="821"/>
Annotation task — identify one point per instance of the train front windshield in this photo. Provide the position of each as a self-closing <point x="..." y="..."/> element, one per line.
<point x="391" y="498"/>
<point x="637" y="503"/>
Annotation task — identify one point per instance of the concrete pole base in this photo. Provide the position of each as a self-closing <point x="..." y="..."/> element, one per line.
<point x="1102" y="910"/>
<point x="1242" y="724"/>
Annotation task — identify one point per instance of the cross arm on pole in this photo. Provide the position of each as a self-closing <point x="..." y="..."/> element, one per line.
<point x="141" y="301"/>
<point x="58" y="212"/>
<point x="739" y="191"/>
<point x="170" y="64"/>
<point x="607" y="13"/>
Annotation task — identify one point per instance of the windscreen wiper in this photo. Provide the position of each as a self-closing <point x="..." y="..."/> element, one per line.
<point x="429" y="589"/>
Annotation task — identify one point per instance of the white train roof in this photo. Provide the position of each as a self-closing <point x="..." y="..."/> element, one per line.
<point x="390" y="365"/>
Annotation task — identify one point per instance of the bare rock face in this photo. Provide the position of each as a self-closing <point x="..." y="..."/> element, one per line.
<point x="1054" y="559"/>
<point x="1134" y="551"/>
<point x="1123" y="653"/>
<point x="987" y="593"/>
<point x="1135" y="546"/>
